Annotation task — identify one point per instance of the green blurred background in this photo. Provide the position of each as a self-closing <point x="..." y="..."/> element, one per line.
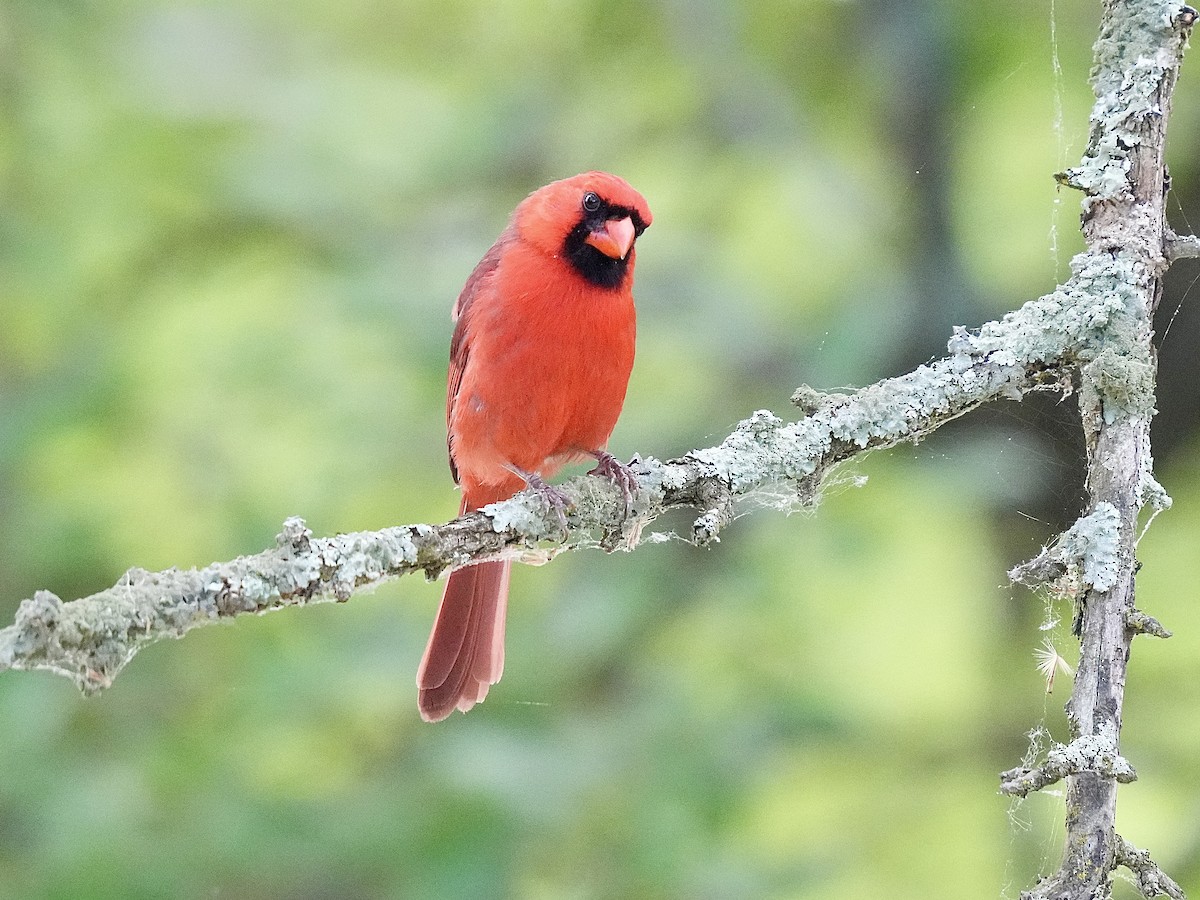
<point x="230" y="236"/>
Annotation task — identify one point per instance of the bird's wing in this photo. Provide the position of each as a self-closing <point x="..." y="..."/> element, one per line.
<point x="460" y="343"/>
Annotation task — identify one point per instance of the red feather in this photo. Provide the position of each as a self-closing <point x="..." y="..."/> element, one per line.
<point x="539" y="363"/>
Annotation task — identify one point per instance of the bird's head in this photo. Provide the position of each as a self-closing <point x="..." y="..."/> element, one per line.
<point x="591" y="221"/>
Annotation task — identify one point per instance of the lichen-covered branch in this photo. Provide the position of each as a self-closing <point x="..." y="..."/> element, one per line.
<point x="1087" y="550"/>
<point x="1124" y="179"/>
<point x="1149" y="878"/>
<point x="1096" y="753"/>
<point x="1182" y="246"/>
<point x="1033" y="348"/>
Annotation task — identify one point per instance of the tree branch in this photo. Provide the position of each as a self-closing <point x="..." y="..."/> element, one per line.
<point x="1149" y="878"/>
<point x="90" y="640"/>
<point x="1091" y="753"/>
<point x="1123" y="174"/>
<point x="1185" y="246"/>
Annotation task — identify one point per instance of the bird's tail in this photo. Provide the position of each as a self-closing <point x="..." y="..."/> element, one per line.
<point x="465" y="654"/>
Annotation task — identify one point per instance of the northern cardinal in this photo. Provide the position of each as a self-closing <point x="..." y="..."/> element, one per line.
<point x="539" y="363"/>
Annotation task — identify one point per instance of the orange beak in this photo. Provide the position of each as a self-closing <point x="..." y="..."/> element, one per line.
<point x="614" y="238"/>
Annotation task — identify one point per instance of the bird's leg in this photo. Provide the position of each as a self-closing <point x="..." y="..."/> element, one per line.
<point x="552" y="496"/>
<point x="618" y="473"/>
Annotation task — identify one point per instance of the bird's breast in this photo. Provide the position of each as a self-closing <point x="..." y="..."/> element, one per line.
<point x="549" y="363"/>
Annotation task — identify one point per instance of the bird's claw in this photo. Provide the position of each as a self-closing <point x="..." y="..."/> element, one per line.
<point x="553" y="497"/>
<point x="619" y="474"/>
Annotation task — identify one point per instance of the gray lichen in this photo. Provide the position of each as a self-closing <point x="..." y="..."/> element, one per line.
<point x="1077" y="322"/>
<point x="1095" y="753"/>
<point x="1149" y="878"/>
<point x="1095" y="540"/>
<point x="1087" y="553"/>
<point x="1133" y="57"/>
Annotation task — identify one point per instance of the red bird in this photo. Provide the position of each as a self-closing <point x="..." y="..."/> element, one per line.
<point x="539" y="363"/>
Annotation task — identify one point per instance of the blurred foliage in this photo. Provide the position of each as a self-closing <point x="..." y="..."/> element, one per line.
<point x="230" y="235"/>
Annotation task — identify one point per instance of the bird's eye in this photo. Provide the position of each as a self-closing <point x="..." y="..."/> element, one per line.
<point x="591" y="202"/>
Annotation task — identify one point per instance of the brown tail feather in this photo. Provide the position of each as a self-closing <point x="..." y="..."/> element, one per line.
<point x="465" y="654"/>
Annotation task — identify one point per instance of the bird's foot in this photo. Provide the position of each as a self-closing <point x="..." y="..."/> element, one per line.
<point x="618" y="473"/>
<point x="553" y="497"/>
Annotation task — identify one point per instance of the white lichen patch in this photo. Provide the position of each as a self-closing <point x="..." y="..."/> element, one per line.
<point x="1095" y="541"/>
<point x="1127" y="93"/>
<point x="1103" y="288"/>
<point x="523" y="514"/>
<point x="1151" y="492"/>
<point x="367" y="558"/>
<point x="1123" y="382"/>
<point x="763" y="449"/>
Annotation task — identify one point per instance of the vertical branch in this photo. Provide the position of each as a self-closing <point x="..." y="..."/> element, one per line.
<point x="1123" y="174"/>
